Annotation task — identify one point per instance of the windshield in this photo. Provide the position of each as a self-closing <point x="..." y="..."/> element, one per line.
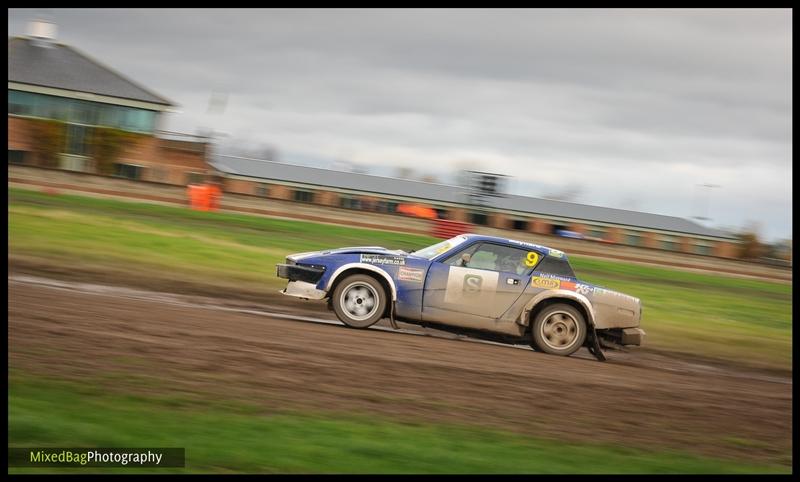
<point x="432" y="251"/>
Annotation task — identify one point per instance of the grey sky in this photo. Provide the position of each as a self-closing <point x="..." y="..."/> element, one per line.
<point x="634" y="107"/>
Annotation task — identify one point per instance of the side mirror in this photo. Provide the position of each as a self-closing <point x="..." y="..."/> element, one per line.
<point x="465" y="259"/>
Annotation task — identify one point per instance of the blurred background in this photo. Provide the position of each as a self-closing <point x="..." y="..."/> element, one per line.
<point x="188" y="151"/>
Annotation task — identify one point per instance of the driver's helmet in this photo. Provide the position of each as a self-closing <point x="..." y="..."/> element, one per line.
<point x="508" y="263"/>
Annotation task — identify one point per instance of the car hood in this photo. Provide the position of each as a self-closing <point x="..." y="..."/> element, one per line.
<point x="349" y="250"/>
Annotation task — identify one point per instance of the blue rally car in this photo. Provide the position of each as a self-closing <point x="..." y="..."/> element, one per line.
<point x="519" y="290"/>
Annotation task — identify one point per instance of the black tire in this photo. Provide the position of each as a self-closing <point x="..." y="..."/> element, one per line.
<point x="558" y="329"/>
<point x="359" y="301"/>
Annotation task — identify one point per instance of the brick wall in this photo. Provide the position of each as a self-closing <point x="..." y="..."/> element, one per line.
<point x="724" y="249"/>
<point x="686" y="245"/>
<point x="457" y="214"/>
<point x="578" y="228"/>
<point x="649" y="240"/>
<point x="615" y="235"/>
<point x="19" y="137"/>
<point x="499" y="221"/>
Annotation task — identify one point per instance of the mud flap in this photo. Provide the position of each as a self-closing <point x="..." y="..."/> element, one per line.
<point x="391" y="317"/>
<point x="594" y="346"/>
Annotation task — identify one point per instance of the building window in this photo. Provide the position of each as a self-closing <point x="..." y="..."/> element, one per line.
<point x="128" y="171"/>
<point x="195" y="178"/>
<point x="669" y="243"/>
<point x="16" y="157"/>
<point x="77" y="136"/>
<point x="595" y="232"/>
<point x="303" y="196"/>
<point x="519" y="224"/>
<point x="633" y="238"/>
<point x="81" y="111"/>
<point x="702" y="249"/>
<point x="481" y="219"/>
<point x="389" y="207"/>
<point x="73" y="163"/>
<point x="442" y="213"/>
<point x="348" y="202"/>
<point x="262" y="190"/>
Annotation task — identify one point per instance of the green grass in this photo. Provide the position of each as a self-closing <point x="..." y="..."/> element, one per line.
<point x="703" y="314"/>
<point x="223" y="437"/>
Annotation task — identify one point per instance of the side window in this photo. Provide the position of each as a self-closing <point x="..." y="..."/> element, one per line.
<point x="495" y="257"/>
<point x="555" y="266"/>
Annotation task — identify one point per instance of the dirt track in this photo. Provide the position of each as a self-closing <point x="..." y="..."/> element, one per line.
<point x="207" y="347"/>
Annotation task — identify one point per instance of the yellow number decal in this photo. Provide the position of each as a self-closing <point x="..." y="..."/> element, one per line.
<point x="531" y="259"/>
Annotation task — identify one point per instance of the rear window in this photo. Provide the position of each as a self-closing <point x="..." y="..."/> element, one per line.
<point x="556" y="266"/>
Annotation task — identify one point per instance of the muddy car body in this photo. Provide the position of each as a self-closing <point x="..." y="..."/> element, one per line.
<point x="471" y="282"/>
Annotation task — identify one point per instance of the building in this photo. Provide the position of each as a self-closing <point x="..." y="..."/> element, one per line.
<point x="541" y="216"/>
<point x="69" y="111"/>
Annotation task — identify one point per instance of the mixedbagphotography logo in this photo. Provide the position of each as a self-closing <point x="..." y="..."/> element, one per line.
<point x="96" y="457"/>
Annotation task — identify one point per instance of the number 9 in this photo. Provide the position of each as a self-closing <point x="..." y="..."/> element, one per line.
<point x="531" y="259"/>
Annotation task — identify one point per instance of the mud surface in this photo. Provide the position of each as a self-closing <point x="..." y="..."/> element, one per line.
<point x="204" y="346"/>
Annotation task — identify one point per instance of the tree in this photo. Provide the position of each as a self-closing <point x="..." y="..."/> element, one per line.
<point x="49" y="140"/>
<point x="107" y="144"/>
<point x="750" y="245"/>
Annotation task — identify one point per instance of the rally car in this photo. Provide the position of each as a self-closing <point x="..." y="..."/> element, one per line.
<point x="517" y="289"/>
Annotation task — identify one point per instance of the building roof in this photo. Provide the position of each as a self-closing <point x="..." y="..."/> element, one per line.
<point x="63" y="67"/>
<point x="277" y="171"/>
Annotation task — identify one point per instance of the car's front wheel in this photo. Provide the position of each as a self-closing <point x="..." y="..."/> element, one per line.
<point x="559" y="329"/>
<point x="359" y="301"/>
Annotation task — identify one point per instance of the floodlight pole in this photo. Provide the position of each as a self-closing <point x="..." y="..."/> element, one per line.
<point x="707" y="201"/>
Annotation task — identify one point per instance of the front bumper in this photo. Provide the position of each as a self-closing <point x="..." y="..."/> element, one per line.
<point x="301" y="289"/>
<point x="296" y="272"/>
<point x="302" y="280"/>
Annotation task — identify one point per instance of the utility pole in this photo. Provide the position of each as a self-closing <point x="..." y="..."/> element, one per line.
<point x="704" y="208"/>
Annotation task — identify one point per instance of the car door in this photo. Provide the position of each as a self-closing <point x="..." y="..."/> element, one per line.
<point x="476" y="285"/>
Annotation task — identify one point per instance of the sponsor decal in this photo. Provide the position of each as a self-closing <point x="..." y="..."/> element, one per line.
<point x="410" y="274"/>
<point x="444" y="248"/>
<point x="383" y="259"/>
<point x="523" y="243"/>
<point x="470" y="289"/>
<point x="605" y="292"/>
<point x="556" y="253"/>
<point x="580" y="288"/>
<point x="531" y="259"/>
<point x="472" y="283"/>
<point x="555" y="276"/>
<point x="545" y="283"/>
<point x="583" y="289"/>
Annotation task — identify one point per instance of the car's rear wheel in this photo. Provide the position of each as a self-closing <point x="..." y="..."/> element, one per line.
<point x="558" y="329"/>
<point x="359" y="301"/>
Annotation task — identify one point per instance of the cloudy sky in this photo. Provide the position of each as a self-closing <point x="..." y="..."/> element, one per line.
<point x="626" y="109"/>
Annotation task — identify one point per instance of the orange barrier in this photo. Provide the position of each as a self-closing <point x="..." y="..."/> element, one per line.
<point x="445" y="228"/>
<point x="417" y="210"/>
<point x="204" y="197"/>
<point x="214" y="194"/>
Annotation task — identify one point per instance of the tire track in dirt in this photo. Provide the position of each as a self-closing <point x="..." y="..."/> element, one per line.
<point x="281" y="358"/>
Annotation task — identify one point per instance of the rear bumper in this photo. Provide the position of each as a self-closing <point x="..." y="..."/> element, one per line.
<point x="623" y="336"/>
